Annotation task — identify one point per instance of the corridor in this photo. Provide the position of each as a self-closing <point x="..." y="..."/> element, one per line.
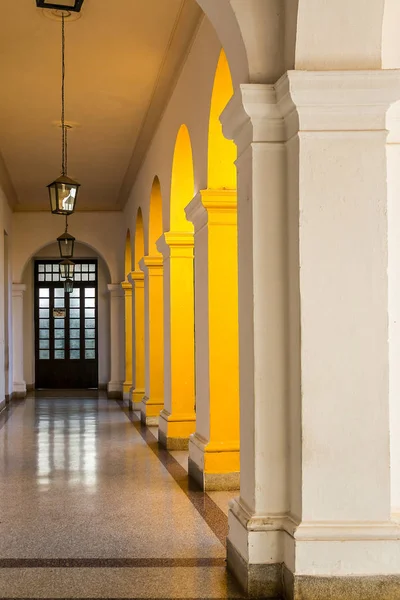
<point x="91" y="507"/>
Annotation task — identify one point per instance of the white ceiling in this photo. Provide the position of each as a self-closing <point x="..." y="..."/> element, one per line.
<point x="119" y="54"/>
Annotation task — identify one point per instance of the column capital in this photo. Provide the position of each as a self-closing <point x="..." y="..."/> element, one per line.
<point x="328" y="101"/>
<point x="126" y="286"/>
<point x="18" y="289"/>
<point x="115" y="290"/>
<point x="136" y="277"/>
<point x="176" y="243"/>
<point x="152" y="264"/>
<point x="218" y="205"/>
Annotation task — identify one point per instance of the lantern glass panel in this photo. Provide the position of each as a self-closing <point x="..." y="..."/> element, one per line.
<point x="66" y="245"/>
<point x="69" y="286"/>
<point x="67" y="269"/>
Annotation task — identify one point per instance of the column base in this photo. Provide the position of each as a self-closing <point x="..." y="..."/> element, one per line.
<point x="19" y="390"/>
<point x="174" y="430"/>
<point x="150" y="411"/>
<point x="126" y="390"/>
<point x="214" y="466"/>
<point x="273" y="556"/>
<point x="136" y="397"/>
<point x="114" y="390"/>
<point x="257" y="581"/>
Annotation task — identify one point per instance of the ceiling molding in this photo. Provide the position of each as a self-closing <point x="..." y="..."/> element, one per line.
<point x="183" y="35"/>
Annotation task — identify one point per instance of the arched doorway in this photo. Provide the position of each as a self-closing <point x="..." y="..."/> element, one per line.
<point x="177" y="420"/>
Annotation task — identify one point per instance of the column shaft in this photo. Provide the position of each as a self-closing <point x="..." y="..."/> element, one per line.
<point x="115" y="386"/>
<point x="127" y="287"/>
<point x="178" y="419"/>
<point x="153" y="402"/>
<point x="214" y="448"/>
<point x="19" y="384"/>
<point x="138" y="392"/>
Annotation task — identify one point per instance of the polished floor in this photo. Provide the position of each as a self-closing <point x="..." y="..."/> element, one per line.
<point x="91" y="507"/>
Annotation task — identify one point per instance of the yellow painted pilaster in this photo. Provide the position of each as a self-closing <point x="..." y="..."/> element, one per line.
<point x="178" y="419"/>
<point x="137" y="280"/>
<point x="214" y="448"/>
<point x="153" y="402"/>
<point x="127" y="287"/>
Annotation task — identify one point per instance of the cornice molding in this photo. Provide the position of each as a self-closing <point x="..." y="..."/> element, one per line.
<point x="305" y="101"/>
<point x="210" y="202"/>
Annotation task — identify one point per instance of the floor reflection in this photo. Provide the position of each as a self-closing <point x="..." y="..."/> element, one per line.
<point x="67" y="438"/>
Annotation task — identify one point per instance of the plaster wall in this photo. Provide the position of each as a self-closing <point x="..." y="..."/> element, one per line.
<point x="6" y="361"/>
<point x="101" y="231"/>
<point x="51" y="252"/>
<point x="190" y="105"/>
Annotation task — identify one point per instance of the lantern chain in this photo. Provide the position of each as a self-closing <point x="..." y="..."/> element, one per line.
<point x="64" y="141"/>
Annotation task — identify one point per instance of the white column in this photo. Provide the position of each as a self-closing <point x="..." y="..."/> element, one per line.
<point x="393" y="155"/>
<point x="19" y="384"/>
<point x="115" y="386"/>
<point x="255" y="519"/>
<point x="319" y="244"/>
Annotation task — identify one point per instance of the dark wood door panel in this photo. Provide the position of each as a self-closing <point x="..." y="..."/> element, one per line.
<point x="66" y="336"/>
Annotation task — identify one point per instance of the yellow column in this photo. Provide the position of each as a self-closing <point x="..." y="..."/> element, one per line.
<point x="153" y="402"/>
<point x="137" y="280"/>
<point x="178" y="419"/>
<point x="214" y="448"/>
<point x="127" y="287"/>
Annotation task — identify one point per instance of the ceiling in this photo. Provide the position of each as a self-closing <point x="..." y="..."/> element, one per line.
<point x="122" y="60"/>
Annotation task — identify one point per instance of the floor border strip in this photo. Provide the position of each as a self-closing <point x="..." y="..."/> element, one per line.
<point x="109" y="563"/>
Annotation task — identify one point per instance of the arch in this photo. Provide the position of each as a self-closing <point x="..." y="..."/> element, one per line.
<point x="182" y="182"/>
<point x="156" y="217"/>
<point x="222" y="152"/>
<point x="20" y="275"/>
<point x="139" y="239"/>
<point x="128" y="254"/>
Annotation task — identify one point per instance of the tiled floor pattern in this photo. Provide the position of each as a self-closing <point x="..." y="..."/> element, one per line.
<point x="91" y="507"/>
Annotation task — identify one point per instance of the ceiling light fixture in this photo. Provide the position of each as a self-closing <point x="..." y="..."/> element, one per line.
<point x="73" y="5"/>
<point x="68" y="286"/>
<point x="67" y="269"/>
<point x="66" y="243"/>
<point x="63" y="191"/>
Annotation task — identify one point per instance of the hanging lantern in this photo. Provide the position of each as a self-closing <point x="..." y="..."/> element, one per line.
<point x="63" y="191"/>
<point x="67" y="269"/>
<point x="68" y="5"/>
<point x="68" y="286"/>
<point x="66" y="243"/>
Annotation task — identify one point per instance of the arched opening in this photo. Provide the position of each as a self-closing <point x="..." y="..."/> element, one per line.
<point x="152" y="265"/>
<point x="182" y="182"/>
<point x="127" y="288"/>
<point x="68" y="342"/>
<point x="222" y="153"/>
<point x="128" y="254"/>
<point x="214" y="448"/>
<point x="177" y="420"/>
<point x="156" y="217"/>
<point x="137" y="279"/>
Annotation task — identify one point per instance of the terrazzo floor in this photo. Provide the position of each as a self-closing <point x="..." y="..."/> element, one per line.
<point x="92" y="507"/>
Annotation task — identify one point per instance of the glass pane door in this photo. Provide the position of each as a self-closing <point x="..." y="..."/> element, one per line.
<point x="66" y="327"/>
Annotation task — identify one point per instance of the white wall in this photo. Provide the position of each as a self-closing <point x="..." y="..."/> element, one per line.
<point x="51" y="252"/>
<point x="5" y="304"/>
<point x="101" y="231"/>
